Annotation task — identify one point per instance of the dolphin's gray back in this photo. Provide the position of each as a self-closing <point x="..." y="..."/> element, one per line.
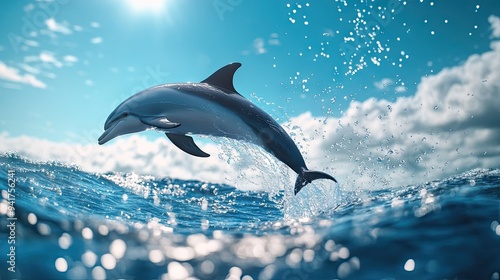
<point x="272" y="137"/>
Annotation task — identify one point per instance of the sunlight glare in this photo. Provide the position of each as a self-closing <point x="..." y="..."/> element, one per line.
<point x="149" y="5"/>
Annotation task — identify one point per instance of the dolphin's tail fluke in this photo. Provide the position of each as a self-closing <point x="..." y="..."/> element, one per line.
<point x="307" y="176"/>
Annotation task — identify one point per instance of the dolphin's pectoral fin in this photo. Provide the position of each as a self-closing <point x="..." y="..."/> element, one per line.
<point x="159" y="122"/>
<point x="223" y="78"/>
<point x="186" y="144"/>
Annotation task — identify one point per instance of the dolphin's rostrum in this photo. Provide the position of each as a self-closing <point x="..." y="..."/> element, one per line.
<point x="211" y="107"/>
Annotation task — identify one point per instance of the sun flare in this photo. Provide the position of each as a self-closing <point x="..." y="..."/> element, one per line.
<point x="147" y="5"/>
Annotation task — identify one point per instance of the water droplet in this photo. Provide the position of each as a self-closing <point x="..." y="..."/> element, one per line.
<point x="89" y="258"/>
<point x="207" y="267"/>
<point x="108" y="261"/>
<point x="61" y="265"/>
<point x="344" y="253"/>
<point x="103" y="230"/>
<point x="65" y="241"/>
<point x="344" y="270"/>
<point x="409" y="265"/>
<point x="117" y="248"/>
<point x="204" y="224"/>
<point x="204" y="205"/>
<point x="43" y="229"/>
<point x="177" y="271"/>
<point x="32" y="219"/>
<point x="87" y="233"/>
<point x="155" y="256"/>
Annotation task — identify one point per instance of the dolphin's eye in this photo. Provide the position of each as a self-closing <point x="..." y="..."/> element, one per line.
<point x="124" y="114"/>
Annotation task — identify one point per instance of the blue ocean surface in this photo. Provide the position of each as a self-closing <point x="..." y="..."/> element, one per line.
<point x="69" y="224"/>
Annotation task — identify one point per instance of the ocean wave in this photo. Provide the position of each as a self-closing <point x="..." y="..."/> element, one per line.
<point x="76" y="225"/>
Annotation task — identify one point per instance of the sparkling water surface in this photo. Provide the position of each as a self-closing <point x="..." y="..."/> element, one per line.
<point x="77" y="225"/>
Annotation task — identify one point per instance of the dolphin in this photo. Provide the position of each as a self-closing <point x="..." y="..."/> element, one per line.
<point x="211" y="107"/>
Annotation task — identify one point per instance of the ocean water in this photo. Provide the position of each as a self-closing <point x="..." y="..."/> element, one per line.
<point x="69" y="224"/>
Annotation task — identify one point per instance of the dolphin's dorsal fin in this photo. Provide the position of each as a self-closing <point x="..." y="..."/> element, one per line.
<point x="223" y="78"/>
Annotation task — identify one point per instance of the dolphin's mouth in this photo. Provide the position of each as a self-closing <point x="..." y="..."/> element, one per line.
<point x="105" y="137"/>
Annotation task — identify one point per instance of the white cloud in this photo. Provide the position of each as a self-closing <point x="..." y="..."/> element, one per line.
<point x="389" y="84"/>
<point x="259" y="46"/>
<point x="49" y="58"/>
<point x="89" y="83"/>
<point x="31" y="58"/>
<point x="31" y="43"/>
<point x="48" y="75"/>
<point x="384" y="83"/>
<point x="57" y="27"/>
<point x="274" y="39"/>
<point x="450" y="125"/>
<point x="400" y="89"/>
<point x="95" y="24"/>
<point x="77" y="28"/>
<point x="96" y="40"/>
<point x="12" y="74"/>
<point x="70" y="58"/>
<point x="495" y="26"/>
<point x="30" y="69"/>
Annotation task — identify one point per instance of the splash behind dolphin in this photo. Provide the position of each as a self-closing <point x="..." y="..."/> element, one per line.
<point x="211" y="107"/>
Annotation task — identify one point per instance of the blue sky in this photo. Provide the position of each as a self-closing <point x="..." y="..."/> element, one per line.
<point x="376" y="93"/>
